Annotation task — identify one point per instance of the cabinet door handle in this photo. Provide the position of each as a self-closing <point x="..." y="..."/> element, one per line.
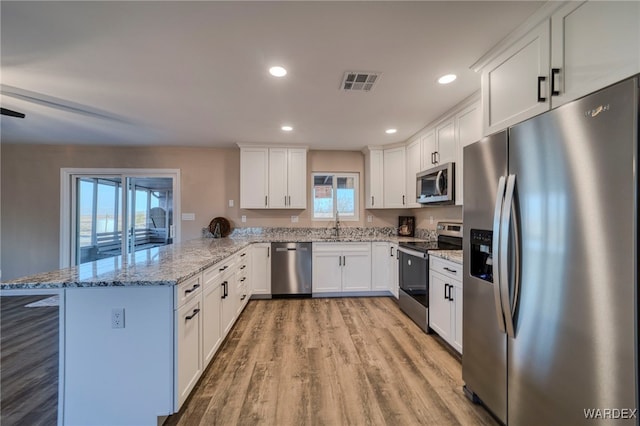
<point x="445" y="291"/>
<point x="224" y="289"/>
<point x="243" y="297"/>
<point x="450" y="293"/>
<point x="391" y="249"/>
<point x="437" y="157"/>
<point x="339" y="260"/>
<point x="222" y="269"/>
<point x="289" y="200"/>
<point x="372" y="201"/>
<point x="554" y="73"/>
<point x="192" y="289"/>
<point x="344" y="261"/>
<point x="265" y="201"/>
<point x="243" y="254"/>
<point x="243" y="266"/>
<point x="433" y="158"/>
<point x="195" y="312"/>
<point x="541" y="79"/>
<point x="403" y="200"/>
<point x="243" y="279"/>
<point x="453" y="271"/>
<point x="268" y="251"/>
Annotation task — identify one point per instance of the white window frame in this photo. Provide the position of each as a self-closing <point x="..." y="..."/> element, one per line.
<point x="336" y="175"/>
<point x="67" y="210"/>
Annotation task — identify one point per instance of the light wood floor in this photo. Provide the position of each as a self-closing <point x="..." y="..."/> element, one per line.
<point x="339" y="361"/>
<point x="28" y="362"/>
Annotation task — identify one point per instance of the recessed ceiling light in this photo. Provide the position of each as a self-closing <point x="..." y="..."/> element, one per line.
<point x="390" y="131"/>
<point x="446" y="79"/>
<point x="277" y="71"/>
<point x="287" y="128"/>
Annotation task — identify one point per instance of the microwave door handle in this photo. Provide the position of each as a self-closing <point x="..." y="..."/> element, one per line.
<point x="438" y="179"/>
<point x="495" y="253"/>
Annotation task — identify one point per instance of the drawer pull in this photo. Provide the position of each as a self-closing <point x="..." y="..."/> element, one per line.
<point x="195" y="312"/>
<point x="453" y="271"/>
<point x="223" y="268"/>
<point x="243" y="254"/>
<point x="243" y="266"/>
<point x="192" y="289"/>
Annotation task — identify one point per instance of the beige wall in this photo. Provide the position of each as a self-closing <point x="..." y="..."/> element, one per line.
<point x="210" y="177"/>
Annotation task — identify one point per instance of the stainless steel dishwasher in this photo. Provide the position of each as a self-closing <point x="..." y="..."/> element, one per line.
<point x="290" y="269"/>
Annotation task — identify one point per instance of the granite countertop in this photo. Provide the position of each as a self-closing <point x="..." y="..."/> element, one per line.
<point x="167" y="265"/>
<point x="452" y="255"/>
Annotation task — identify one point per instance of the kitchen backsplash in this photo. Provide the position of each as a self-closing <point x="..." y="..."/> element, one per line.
<point x="348" y="232"/>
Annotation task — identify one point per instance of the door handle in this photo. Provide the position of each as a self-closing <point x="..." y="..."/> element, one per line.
<point x="372" y="201"/>
<point x="541" y="79"/>
<point x="495" y="252"/>
<point x="403" y="200"/>
<point x="446" y="287"/>
<point x="195" y="312"/>
<point x="508" y="306"/>
<point x="265" y="201"/>
<point x="437" y="157"/>
<point x="344" y="261"/>
<point x="554" y="73"/>
<point x="453" y="271"/>
<point x="289" y="200"/>
<point x="391" y="248"/>
<point x="339" y="260"/>
<point x="268" y="251"/>
<point x="192" y="289"/>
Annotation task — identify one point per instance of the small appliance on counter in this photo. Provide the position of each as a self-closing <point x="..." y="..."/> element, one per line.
<point x="406" y="226"/>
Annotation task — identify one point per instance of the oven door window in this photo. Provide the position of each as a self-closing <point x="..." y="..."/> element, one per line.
<point x="413" y="277"/>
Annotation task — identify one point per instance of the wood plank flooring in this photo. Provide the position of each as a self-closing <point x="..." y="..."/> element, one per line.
<point x="28" y="362"/>
<point x="342" y="361"/>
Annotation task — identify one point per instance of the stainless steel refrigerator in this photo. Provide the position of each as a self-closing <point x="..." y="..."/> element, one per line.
<point x="550" y="314"/>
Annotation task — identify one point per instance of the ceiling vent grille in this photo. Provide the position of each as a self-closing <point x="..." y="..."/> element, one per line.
<point x="359" y="81"/>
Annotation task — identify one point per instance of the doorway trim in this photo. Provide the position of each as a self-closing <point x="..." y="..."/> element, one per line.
<point x="66" y="190"/>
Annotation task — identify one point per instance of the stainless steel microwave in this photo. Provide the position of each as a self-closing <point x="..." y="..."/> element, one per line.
<point x="436" y="185"/>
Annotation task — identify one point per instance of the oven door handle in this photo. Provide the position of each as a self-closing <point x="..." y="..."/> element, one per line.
<point x="410" y="252"/>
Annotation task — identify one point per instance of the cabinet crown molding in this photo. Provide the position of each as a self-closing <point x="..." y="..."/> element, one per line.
<point x="543" y="13"/>
<point x="262" y="145"/>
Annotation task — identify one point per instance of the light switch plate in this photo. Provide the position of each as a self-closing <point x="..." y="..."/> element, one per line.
<point x="369" y="218"/>
<point x="188" y="216"/>
<point x="294" y="219"/>
<point x="243" y="218"/>
<point x="230" y="203"/>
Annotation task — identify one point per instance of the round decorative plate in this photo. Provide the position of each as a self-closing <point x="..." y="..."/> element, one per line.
<point x="223" y="225"/>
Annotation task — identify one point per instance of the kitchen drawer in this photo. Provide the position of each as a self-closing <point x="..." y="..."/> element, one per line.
<point x="215" y="272"/>
<point x="446" y="268"/>
<point x="188" y="290"/>
<point x="342" y="247"/>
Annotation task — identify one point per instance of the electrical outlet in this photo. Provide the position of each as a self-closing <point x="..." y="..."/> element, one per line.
<point x="369" y="218"/>
<point x="294" y="219"/>
<point x="230" y="203"/>
<point x="430" y="220"/>
<point x="243" y="218"/>
<point x="117" y="318"/>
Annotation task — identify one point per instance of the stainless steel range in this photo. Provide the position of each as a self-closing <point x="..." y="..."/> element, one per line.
<point x="414" y="271"/>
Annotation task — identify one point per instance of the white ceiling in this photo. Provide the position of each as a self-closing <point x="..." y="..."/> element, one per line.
<point x="195" y="73"/>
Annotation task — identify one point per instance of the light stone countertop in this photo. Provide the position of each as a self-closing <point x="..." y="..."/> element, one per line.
<point x="166" y="265"/>
<point x="452" y="255"/>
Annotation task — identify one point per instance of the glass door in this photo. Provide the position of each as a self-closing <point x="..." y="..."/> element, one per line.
<point x="101" y="211"/>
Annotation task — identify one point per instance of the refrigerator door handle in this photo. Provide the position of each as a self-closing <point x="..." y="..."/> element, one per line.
<point x="496" y="253"/>
<point x="505" y="222"/>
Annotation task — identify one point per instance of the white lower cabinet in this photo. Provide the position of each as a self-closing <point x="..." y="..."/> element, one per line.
<point x="384" y="267"/>
<point x="261" y="270"/>
<point x="189" y="364"/>
<point x="445" y="300"/>
<point x="341" y="267"/>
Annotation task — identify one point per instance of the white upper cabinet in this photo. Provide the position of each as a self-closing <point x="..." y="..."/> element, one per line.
<point x="576" y="49"/>
<point x="515" y="84"/>
<point x="274" y="178"/>
<point x="414" y="166"/>
<point x="278" y="178"/>
<point x="593" y="44"/>
<point x="254" y="178"/>
<point x="428" y="149"/>
<point x="469" y="126"/>
<point x="373" y="171"/>
<point x="395" y="178"/>
<point x="446" y="150"/>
